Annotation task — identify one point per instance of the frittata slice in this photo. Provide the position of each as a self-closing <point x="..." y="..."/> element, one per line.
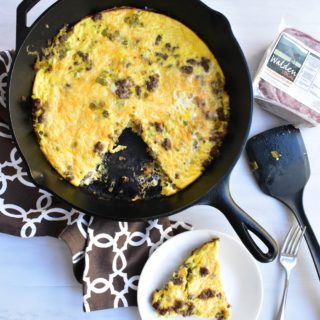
<point x="196" y="288"/>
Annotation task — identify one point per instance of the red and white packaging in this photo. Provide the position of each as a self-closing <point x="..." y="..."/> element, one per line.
<point x="288" y="79"/>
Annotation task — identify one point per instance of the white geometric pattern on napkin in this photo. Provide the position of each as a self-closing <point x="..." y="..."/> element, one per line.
<point x="3" y="77"/>
<point x="44" y="201"/>
<point x="135" y="239"/>
<point x="42" y="210"/>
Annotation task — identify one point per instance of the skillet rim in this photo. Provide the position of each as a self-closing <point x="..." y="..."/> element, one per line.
<point x="203" y="198"/>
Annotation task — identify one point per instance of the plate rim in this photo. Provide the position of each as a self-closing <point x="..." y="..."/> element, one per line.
<point x="218" y="234"/>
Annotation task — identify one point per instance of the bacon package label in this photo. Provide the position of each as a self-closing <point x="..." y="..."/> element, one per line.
<point x="288" y="80"/>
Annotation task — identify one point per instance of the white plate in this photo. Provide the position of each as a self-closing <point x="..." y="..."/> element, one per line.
<point x="240" y="274"/>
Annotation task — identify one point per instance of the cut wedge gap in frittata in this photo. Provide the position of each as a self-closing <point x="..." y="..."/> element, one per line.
<point x="131" y="173"/>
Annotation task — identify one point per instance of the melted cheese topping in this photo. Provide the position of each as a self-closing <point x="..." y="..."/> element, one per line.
<point x="129" y="68"/>
<point x="196" y="288"/>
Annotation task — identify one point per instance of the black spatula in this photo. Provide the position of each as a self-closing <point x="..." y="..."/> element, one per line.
<point x="279" y="161"/>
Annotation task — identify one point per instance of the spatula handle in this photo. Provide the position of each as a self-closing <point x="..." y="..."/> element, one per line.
<point x="295" y="203"/>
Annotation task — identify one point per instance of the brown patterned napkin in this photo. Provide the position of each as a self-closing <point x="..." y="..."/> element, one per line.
<point x="107" y="256"/>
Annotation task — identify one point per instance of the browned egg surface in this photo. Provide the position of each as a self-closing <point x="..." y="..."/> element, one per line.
<point x="129" y="68"/>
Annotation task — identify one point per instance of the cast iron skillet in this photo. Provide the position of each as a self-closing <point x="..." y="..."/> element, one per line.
<point x="212" y="187"/>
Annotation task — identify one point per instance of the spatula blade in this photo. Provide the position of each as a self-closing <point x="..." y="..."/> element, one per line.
<point x="279" y="161"/>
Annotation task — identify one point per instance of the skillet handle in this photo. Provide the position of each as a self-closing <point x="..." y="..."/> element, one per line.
<point x="21" y="28"/>
<point x="242" y="223"/>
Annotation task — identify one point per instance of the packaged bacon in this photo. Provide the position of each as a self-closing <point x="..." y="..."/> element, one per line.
<point x="287" y="82"/>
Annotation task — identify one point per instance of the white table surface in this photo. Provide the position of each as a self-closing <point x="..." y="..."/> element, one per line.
<point x="36" y="280"/>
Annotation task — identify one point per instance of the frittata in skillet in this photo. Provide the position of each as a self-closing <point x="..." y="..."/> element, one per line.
<point x="196" y="288"/>
<point x="129" y="68"/>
